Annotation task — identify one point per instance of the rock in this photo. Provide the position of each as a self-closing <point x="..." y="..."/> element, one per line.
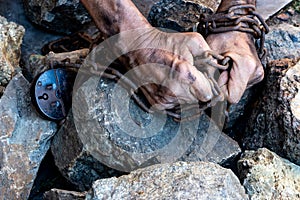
<point x="275" y="120"/>
<point x="267" y="176"/>
<point x="81" y="164"/>
<point x="59" y="16"/>
<point x="57" y="194"/>
<point x="144" y="6"/>
<point x="178" y="15"/>
<point x="283" y="41"/>
<point x="283" y="16"/>
<point x="11" y="35"/>
<point x="24" y="140"/>
<point x="34" y="38"/>
<point x="181" y="15"/>
<point x="73" y="161"/>
<point x="118" y="133"/>
<point x="196" y="180"/>
<point x="267" y="8"/>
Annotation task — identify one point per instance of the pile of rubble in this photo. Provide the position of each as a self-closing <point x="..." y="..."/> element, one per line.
<point x="256" y="155"/>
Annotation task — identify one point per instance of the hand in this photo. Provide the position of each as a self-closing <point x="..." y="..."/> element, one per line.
<point x="163" y="64"/>
<point x="246" y="68"/>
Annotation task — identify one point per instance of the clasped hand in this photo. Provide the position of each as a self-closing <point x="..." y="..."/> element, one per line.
<point x="169" y="69"/>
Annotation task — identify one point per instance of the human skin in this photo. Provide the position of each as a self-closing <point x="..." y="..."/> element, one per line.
<point x="175" y="80"/>
<point x="247" y="69"/>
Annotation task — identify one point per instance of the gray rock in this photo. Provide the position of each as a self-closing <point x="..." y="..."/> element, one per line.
<point x="283" y="41"/>
<point x="267" y="176"/>
<point x="24" y="140"/>
<point x="95" y="138"/>
<point x="59" y="16"/>
<point x="34" y="38"/>
<point x="57" y="194"/>
<point x="73" y="161"/>
<point x="144" y="6"/>
<point x="11" y="35"/>
<point x="196" y="180"/>
<point x="116" y="131"/>
<point x="178" y="15"/>
<point x="275" y="121"/>
<point x="267" y="8"/>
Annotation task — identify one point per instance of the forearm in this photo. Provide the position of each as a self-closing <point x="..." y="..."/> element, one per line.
<point x="114" y="16"/>
<point x="226" y="4"/>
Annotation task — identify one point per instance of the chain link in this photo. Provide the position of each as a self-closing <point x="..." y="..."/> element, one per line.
<point x="241" y="18"/>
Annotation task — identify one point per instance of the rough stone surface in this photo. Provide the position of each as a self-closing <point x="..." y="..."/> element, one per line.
<point x="178" y="15"/>
<point x="11" y="35"/>
<point x="275" y="121"/>
<point x="24" y="140"/>
<point x="267" y="8"/>
<point x="64" y="16"/>
<point x="123" y="136"/>
<point x="82" y="165"/>
<point x="57" y="194"/>
<point x="196" y="180"/>
<point x="144" y="6"/>
<point x="267" y="176"/>
<point x="34" y="38"/>
<point x="283" y="41"/>
<point x="73" y="161"/>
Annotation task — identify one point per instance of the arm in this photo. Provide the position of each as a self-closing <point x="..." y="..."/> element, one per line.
<point x="115" y="16"/>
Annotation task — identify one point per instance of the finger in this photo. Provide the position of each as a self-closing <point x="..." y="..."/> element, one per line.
<point x="199" y="85"/>
<point x="223" y="82"/>
<point x="238" y="80"/>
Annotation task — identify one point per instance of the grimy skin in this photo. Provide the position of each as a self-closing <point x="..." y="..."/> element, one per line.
<point x="182" y="81"/>
<point x="247" y="69"/>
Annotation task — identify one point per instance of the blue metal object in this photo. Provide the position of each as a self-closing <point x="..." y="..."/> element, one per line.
<point x="51" y="93"/>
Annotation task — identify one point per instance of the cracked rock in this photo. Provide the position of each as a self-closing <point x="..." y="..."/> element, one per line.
<point x="267" y="176"/>
<point x="24" y="140"/>
<point x="11" y="35"/>
<point x="196" y="180"/>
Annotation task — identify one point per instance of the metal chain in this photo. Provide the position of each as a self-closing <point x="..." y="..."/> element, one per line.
<point x="241" y="18"/>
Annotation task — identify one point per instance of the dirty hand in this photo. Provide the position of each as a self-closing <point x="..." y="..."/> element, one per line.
<point x="163" y="65"/>
<point x="246" y="69"/>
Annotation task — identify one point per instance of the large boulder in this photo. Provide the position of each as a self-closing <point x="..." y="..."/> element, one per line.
<point x="267" y="176"/>
<point x="11" y="35"/>
<point x="267" y="8"/>
<point x="275" y="121"/>
<point x="24" y="140"/>
<point x="115" y="130"/>
<point x="58" y="16"/>
<point x="73" y="161"/>
<point x="100" y="137"/>
<point x="196" y="180"/>
<point x="283" y="41"/>
<point x="178" y="15"/>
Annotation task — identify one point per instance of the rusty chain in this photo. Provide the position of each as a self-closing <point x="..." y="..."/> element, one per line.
<point x="243" y="18"/>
